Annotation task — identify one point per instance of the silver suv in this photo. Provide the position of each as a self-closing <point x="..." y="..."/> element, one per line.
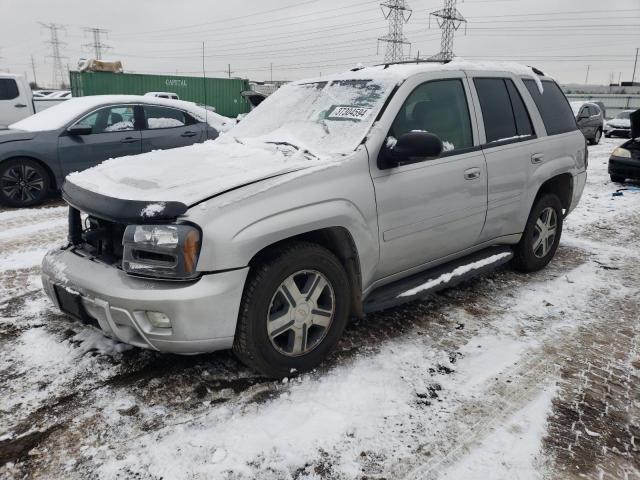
<point x="334" y="198"/>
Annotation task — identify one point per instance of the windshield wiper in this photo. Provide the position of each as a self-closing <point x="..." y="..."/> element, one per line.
<point x="288" y="144"/>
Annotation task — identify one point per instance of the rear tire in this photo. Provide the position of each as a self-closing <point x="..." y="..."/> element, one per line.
<point x="618" y="178"/>
<point x="596" y="138"/>
<point x="23" y="183"/>
<point x="541" y="235"/>
<point x="294" y="308"/>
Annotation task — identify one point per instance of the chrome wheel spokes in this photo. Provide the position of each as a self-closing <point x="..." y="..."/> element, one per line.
<point x="544" y="234"/>
<point x="300" y="312"/>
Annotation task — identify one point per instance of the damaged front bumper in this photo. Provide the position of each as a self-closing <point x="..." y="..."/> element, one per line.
<point x="201" y="314"/>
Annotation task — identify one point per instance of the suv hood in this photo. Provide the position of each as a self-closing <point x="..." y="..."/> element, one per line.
<point x="191" y="174"/>
<point x="619" y="122"/>
<point x="11" y="135"/>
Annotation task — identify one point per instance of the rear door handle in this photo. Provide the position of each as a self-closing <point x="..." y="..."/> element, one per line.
<point x="20" y="105"/>
<point x="537" y="158"/>
<point x="189" y="134"/>
<point x="472" y="173"/>
<point x="129" y="140"/>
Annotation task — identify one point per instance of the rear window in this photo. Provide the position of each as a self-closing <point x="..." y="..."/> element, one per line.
<point x="8" y="89"/>
<point x="553" y="106"/>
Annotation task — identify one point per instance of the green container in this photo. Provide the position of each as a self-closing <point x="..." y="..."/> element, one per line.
<point x="221" y="93"/>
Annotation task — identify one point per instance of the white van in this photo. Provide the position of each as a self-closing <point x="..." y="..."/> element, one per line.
<point x="169" y="95"/>
<point x="16" y="100"/>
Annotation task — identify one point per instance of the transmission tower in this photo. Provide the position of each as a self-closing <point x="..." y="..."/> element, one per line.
<point x="397" y="12"/>
<point x="449" y="20"/>
<point x="97" y="44"/>
<point x="58" y="74"/>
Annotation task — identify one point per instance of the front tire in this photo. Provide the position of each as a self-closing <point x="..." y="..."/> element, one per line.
<point x="541" y="235"/>
<point x="294" y="308"/>
<point x="23" y="182"/>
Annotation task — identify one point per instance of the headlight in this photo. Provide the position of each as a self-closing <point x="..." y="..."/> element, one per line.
<point x="621" y="152"/>
<point x="161" y="251"/>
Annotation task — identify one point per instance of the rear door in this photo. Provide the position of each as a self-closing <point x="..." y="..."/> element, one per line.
<point x="168" y="127"/>
<point x="114" y="133"/>
<point x="509" y="147"/>
<point x="15" y="102"/>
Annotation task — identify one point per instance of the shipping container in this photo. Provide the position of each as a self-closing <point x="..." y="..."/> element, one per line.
<point x="221" y="93"/>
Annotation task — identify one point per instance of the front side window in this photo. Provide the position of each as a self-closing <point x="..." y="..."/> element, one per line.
<point x="161" y="117"/>
<point x="554" y="108"/>
<point x="439" y="107"/>
<point x="110" y="119"/>
<point x="8" y="89"/>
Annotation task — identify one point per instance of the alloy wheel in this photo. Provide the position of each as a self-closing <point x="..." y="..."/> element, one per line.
<point x="545" y="232"/>
<point x="300" y="313"/>
<point x="22" y="183"/>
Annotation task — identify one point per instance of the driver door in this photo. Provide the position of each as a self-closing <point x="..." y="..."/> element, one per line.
<point x="434" y="208"/>
<point x="114" y="133"/>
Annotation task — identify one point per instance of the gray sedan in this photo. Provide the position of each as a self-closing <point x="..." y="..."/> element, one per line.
<point x="37" y="153"/>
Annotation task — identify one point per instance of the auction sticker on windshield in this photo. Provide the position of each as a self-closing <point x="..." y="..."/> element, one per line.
<point x="348" y="112"/>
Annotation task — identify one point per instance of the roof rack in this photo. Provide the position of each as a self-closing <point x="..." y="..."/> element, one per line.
<point x="414" y="61"/>
<point x="537" y="71"/>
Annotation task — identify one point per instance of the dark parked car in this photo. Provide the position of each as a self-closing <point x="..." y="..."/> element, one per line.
<point x="590" y="120"/>
<point x="37" y="153"/>
<point x="625" y="160"/>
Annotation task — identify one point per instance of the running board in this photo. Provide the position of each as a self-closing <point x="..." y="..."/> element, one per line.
<point x="423" y="284"/>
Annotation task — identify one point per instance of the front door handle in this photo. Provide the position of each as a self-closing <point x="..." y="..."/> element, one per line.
<point x="20" y="105"/>
<point x="537" y="158"/>
<point x="129" y="140"/>
<point x="472" y="173"/>
<point x="189" y="134"/>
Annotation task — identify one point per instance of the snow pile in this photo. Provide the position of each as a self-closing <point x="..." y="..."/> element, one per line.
<point x="153" y="209"/>
<point x="164" y="123"/>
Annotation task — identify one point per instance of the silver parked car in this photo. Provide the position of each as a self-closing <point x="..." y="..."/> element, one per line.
<point x="38" y="152"/>
<point x="334" y="198"/>
<point x="590" y="120"/>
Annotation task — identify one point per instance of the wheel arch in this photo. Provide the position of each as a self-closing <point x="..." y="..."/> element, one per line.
<point x="560" y="185"/>
<point x="340" y="242"/>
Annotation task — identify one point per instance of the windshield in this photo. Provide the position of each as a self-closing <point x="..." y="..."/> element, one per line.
<point x="324" y="117"/>
<point x="624" y="115"/>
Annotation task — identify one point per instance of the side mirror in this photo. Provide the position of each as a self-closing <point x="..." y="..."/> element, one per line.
<point x="415" y="147"/>
<point x="79" y="130"/>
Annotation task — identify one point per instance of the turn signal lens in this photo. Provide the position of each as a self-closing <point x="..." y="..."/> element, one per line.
<point x="190" y="250"/>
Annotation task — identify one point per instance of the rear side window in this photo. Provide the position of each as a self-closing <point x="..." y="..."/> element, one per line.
<point x="503" y="111"/>
<point x="8" y="89"/>
<point x="553" y="106"/>
<point x="161" y="117"/>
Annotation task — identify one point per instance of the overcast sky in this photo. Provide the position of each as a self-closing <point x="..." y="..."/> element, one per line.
<point x="302" y="38"/>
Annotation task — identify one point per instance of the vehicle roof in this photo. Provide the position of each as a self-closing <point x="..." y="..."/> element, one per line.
<point x="404" y="70"/>
<point x="11" y="75"/>
<point x="59" y="115"/>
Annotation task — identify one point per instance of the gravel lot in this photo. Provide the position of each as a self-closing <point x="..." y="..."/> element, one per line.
<point x="508" y="376"/>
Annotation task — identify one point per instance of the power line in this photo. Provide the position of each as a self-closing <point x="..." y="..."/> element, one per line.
<point x="397" y="13"/>
<point x="58" y="73"/>
<point x="97" y="44"/>
<point x="449" y="20"/>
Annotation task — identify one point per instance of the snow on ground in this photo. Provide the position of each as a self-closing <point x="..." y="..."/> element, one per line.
<point x="478" y="382"/>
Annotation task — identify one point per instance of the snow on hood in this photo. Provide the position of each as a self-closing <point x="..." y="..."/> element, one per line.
<point x="66" y="112"/>
<point x="190" y="174"/>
